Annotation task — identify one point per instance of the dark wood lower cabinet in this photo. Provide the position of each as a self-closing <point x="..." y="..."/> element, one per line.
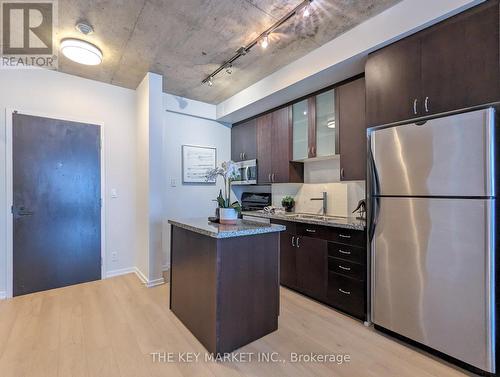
<point x="321" y="267"/>
<point x="288" y="260"/>
<point x="312" y="259"/>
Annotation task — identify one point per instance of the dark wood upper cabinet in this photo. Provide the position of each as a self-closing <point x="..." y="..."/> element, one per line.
<point x="351" y="127"/>
<point x="264" y="148"/>
<point x="393" y="82"/>
<point x="274" y="149"/>
<point x="244" y="141"/>
<point x="452" y="65"/>
<point x="460" y="60"/>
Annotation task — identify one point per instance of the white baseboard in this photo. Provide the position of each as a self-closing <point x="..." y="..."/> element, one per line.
<point x="121" y="271"/>
<point x="3" y="295"/>
<point x="146" y="282"/>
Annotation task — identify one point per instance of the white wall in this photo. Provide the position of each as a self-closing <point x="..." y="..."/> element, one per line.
<point x="150" y="179"/>
<point x="60" y="95"/>
<point x="188" y="122"/>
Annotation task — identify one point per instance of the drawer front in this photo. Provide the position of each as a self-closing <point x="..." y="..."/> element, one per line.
<point x="349" y="269"/>
<point x="347" y="252"/>
<point x="347" y="295"/>
<point x="341" y="235"/>
<point x="290" y="226"/>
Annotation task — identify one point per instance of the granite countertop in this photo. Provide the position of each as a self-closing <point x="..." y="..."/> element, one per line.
<point x="242" y="228"/>
<point x="333" y="221"/>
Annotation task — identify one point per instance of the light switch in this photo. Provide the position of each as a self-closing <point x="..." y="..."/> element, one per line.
<point x="173" y="182"/>
<point x="114" y="193"/>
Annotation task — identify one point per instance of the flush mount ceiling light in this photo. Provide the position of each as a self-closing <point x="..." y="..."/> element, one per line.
<point x="304" y="9"/>
<point x="81" y="51"/>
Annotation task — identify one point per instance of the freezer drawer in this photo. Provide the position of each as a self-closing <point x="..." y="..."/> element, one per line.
<point x="448" y="156"/>
<point x="432" y="275"/>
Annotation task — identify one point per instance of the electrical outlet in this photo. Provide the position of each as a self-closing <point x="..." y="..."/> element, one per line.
<point x="114" y="256"/>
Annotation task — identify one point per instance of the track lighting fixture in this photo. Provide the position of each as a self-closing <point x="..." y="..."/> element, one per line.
<point x="304" y="9"/>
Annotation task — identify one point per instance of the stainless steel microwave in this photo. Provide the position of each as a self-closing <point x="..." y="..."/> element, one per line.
<point x="247" y="173"/>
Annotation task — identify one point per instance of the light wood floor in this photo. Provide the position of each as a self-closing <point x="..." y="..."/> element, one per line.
<point x="110" y="327"/>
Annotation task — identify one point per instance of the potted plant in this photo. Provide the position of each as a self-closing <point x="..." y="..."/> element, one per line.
<point x="288" y="202"/>
<point x="228" y="212"/>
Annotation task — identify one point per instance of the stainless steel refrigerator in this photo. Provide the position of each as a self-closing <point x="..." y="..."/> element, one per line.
<point x="431" y="191"/>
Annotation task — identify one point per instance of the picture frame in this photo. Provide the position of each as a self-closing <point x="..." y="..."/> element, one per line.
<point x="196" y="161"/>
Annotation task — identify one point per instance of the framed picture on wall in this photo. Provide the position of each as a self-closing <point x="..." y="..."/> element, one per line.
<point x="196" y="161"/>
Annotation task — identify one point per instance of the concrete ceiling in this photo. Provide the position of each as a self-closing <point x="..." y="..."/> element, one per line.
<point x="186" y="40"/>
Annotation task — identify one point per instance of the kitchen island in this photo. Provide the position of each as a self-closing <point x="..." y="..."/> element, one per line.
<point x="224" y="283"/>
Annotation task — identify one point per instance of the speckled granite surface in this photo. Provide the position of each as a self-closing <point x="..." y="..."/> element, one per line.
<point x="336" y="222"/>
<point x="242" y="228"/>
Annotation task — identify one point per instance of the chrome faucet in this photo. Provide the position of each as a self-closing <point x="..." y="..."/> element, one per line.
<point x="324" y="202"/>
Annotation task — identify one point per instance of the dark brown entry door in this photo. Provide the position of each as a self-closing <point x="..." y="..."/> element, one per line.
<point x="57" y="206"/>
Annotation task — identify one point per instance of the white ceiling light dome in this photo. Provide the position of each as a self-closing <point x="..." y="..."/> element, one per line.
<point x="81" y="51"/>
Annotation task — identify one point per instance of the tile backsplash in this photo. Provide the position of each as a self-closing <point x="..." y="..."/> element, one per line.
<point x="342" y="197"/>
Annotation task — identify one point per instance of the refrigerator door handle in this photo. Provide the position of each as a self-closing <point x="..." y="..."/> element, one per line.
<point x="373" y="200"/>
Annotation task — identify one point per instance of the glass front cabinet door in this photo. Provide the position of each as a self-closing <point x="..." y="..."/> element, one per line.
<point x="325" y="124"/>
<point x="300" y="124"/>
<point x="314" y="127"/>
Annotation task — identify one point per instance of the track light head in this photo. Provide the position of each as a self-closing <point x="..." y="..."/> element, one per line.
<point x="229" y="69"/>
<point x="210" y="81"/>
<point x="264" y="42"/>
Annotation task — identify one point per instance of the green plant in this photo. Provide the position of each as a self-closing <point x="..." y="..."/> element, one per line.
<point x="288" y="202"/>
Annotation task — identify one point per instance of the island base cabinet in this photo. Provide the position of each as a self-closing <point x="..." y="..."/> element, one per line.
<point x="225" y="291"/>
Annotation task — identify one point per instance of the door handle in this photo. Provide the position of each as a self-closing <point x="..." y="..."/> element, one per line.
<point x="415" y="102"/>
<point x="293" y="241"/>
<point x="426" y="104"/>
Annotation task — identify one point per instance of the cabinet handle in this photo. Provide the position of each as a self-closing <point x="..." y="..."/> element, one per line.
<point x="244" y="155"/>
<point x="298" y="245"/>
<point x="342" y="173"/>
<point x="241" y="156"/>
<point x="344" y="236"/>
<point x="269" y="176"/>
<point x="272" y="175"/>
<point x="344" y="252"/>
<point x="415" y="101"/>
<point x="426" y="104"/>
<point x="344" y="268"/>
<point x="311" y="230"/>
<point x="344" y="292"/>
<point x="314" y="151"/>
<point x="293" y="241"/>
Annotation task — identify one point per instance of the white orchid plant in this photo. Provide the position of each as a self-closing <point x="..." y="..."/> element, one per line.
<point x="229" y="171"/>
